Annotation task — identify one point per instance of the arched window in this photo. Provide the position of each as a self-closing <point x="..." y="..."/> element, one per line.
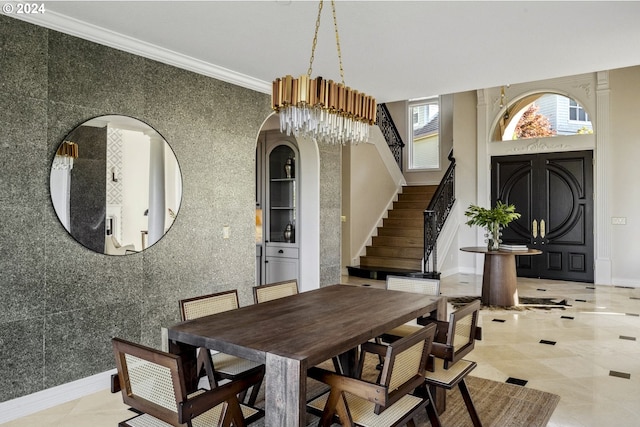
<point x="542" y="115"/>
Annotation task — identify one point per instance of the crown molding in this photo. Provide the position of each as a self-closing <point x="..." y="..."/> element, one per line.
<point x="64" y="24"/>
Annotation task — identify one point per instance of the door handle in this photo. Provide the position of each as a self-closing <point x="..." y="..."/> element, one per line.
<point x="534" y="228"/>
<point x="542" y="228"/>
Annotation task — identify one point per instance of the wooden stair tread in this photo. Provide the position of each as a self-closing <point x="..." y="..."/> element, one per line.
<point x="399" y="243"/>
<point x="395" y="251"/>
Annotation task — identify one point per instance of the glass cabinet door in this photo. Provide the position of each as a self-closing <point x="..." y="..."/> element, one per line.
<point x="282" y="194"/>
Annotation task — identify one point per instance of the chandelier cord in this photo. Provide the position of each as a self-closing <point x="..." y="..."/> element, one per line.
<point x="335" y="25"/>
<point x="315" y="39"/>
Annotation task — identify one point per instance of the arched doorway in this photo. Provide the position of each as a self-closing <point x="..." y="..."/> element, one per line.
<point x="552" y="190"/>
<point x="308" y="208"/>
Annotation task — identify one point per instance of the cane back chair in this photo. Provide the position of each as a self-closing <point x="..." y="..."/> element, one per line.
<point x="225" y="366"/>
<point x="418" y="285"/>
<point x="271" y="291"/>
<point x="387" y="403"/>
<point x="455" y="339"/>
<point x="152" y="383"/>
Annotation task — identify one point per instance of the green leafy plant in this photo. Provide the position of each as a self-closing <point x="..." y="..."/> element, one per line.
<point x="502" y="215"/>
<point x="493" y="220"/>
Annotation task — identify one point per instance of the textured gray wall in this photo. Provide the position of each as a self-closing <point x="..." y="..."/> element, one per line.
<point x="88" y="192"/>
<point x="61" y="302"/>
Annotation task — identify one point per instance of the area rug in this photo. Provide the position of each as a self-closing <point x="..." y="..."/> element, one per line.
<point x="498" y="404"/>
<point x="525" y="303"/>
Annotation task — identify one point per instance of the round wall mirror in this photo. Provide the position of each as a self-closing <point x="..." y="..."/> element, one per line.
<point x="115" y="185"/>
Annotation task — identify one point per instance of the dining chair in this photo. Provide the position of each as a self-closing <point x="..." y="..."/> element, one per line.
<point x="225" y="366"/>
<point x="418" y="285"/>
<point x="387" y="402"/>
<point x="152" y="384"/>
<point x="271" y="291"/>
<point x="454" y="340"/>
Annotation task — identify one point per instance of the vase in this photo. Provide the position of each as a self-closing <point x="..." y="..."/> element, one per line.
<point x="288" y="166"/>
<point x="493" y="237"/>
<point x="288" y="233"/>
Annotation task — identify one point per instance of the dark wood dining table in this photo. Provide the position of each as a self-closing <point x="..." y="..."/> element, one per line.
<point x="290" y="335"/>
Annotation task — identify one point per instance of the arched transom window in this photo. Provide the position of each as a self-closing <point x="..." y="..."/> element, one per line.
<point x="542" y="115"/>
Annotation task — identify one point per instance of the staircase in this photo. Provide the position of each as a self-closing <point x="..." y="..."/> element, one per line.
<point x="398" y="248"/>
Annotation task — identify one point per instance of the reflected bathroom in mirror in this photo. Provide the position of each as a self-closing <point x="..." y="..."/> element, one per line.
<point x="115" y="185"/>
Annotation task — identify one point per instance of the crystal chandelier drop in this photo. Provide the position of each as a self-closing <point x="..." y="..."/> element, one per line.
<point x="320" y="109"/>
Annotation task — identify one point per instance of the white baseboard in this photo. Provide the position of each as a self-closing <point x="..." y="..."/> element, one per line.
<point x="619" y="281"/>
<point x="32" y="403"/>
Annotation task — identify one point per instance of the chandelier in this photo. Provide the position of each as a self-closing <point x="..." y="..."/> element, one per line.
<point x="320" y="109"/>
<point x="67" y="151"/>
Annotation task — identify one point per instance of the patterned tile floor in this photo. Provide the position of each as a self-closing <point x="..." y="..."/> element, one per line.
<point x="588" y="354"/>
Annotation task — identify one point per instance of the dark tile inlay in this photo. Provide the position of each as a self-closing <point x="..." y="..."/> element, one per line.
<point x="624" y="287"/>
<point x="567" y="317"/>
<point x="632" y="314"/>
<point x="581" y="300"/>
<point x="547" y="342"/>
<point x="634" y="297"/>
<point x="620" y="375"/>
<point x="516" y="381"/>
<point x="366" y="284"/>
<point x="624" y="337"/>
<point x="591" y="287"/>
<point x="543" y="290"/>
<point x="499" y="320"/>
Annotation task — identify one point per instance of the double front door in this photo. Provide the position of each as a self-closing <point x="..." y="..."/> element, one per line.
<point x="554" y="194"/>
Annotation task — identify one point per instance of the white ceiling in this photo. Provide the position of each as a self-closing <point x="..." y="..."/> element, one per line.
<point x="393" y="50"/>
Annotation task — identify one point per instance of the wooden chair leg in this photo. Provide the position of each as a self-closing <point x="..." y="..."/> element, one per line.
<point x="464" y="391"/>
<point x="232" y="415"/>
<point x="205" y="361"/>
<point x="254" y="392"/>
<point x="336" y="364"/>
<point x="432" y="413"/>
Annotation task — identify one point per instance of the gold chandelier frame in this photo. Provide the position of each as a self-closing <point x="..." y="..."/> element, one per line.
<point x="322" y="109"/>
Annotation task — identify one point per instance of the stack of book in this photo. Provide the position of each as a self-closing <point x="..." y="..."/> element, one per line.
<point x="504" y="247"/>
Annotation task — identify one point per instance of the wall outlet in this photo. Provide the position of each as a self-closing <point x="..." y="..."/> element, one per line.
<point x="225" y="232"/>
<point x="619" y="220"/>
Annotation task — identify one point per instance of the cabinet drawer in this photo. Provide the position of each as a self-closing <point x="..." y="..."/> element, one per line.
<point x="282" y="252"/>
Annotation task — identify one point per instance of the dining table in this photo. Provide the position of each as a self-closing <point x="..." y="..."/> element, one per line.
<point x="291" y="334"/>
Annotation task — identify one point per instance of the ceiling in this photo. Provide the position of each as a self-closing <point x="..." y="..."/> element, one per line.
<point x="393" y="50"/>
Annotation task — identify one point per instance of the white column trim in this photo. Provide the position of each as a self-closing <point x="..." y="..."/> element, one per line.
<point x="483" y="190"/>
<point x="602" y="196"/>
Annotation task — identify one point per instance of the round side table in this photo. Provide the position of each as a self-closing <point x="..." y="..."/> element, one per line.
<point x="499" y="280"/>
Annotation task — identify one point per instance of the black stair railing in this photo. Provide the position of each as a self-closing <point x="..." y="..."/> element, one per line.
<point x="436" y="214"/>
<point x="390" y="132"/>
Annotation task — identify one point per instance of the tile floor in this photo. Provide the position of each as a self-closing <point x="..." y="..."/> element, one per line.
<point x="589" y="355"/>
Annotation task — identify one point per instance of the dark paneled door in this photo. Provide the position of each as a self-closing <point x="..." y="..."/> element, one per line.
<point x="554" y="194"/>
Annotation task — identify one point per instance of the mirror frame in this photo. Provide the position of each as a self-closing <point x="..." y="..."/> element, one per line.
<point x="87" y="185"/>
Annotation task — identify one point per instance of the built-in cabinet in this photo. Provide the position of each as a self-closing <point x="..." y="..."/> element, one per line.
<point x="277" y="196"/>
